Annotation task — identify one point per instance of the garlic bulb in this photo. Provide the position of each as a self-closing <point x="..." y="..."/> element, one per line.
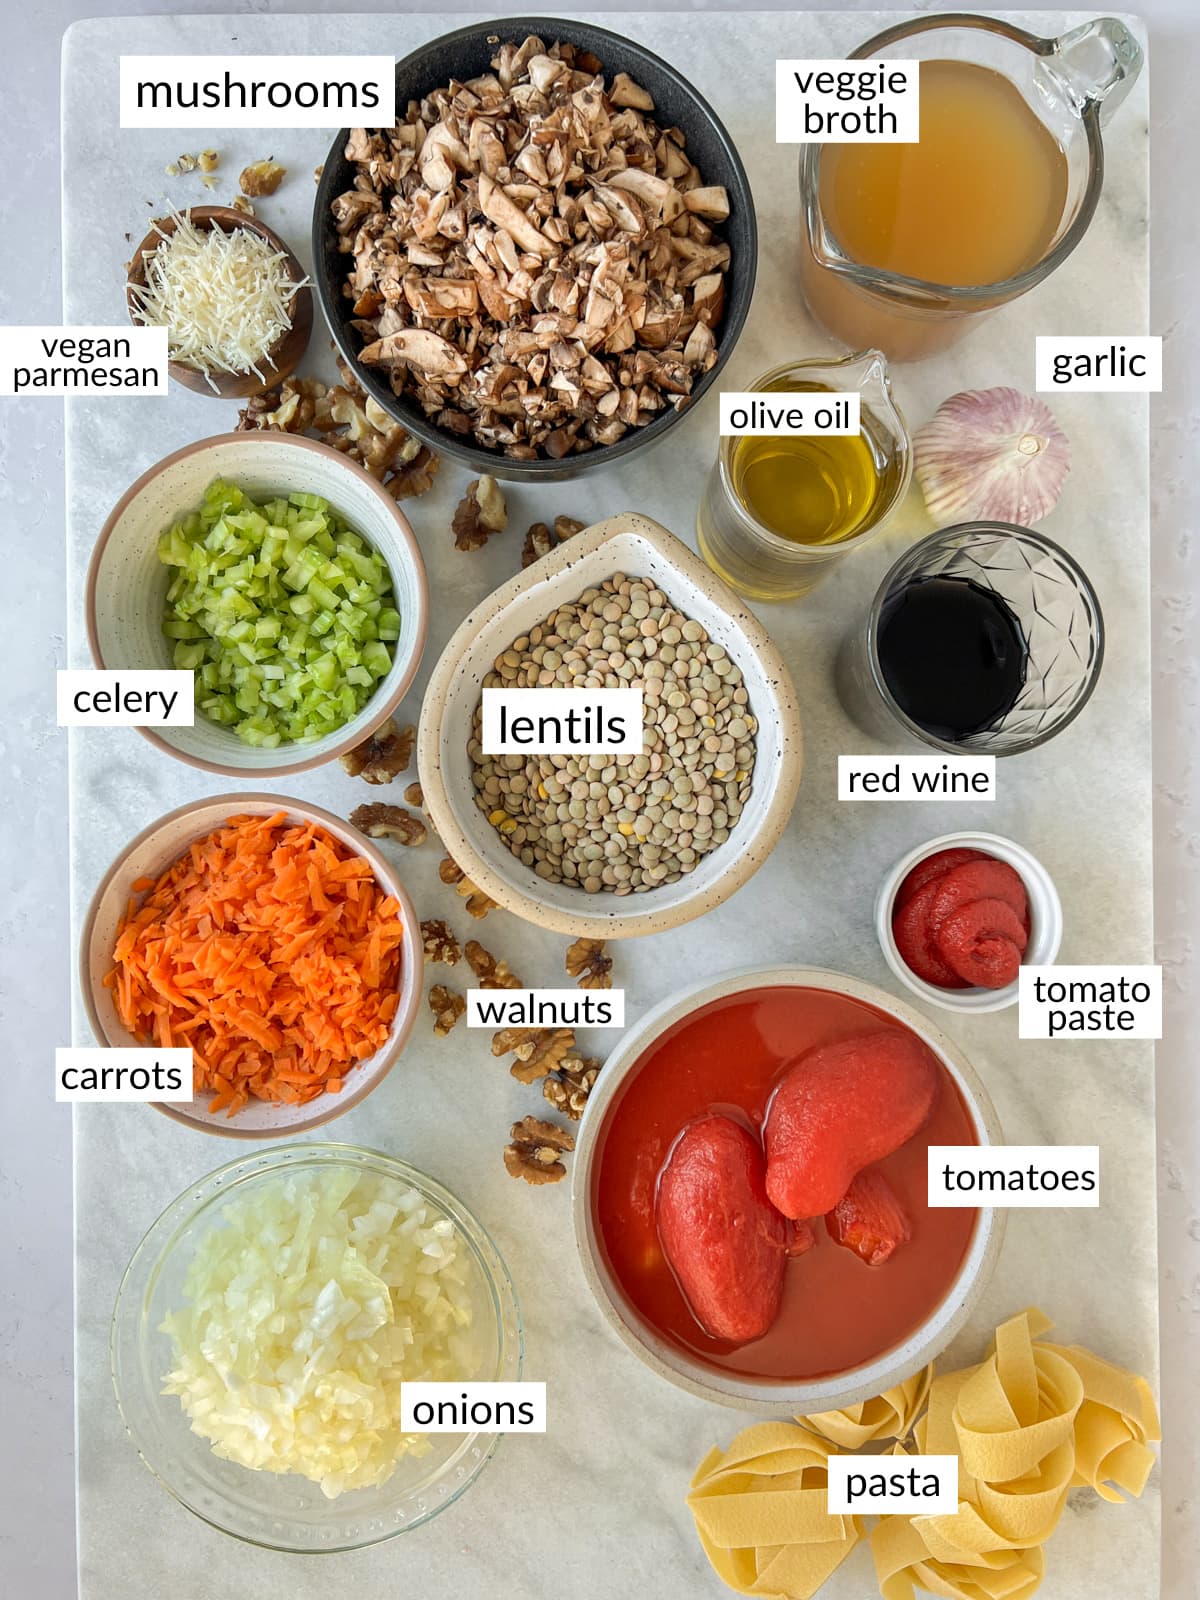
<point x="992" y="454"/>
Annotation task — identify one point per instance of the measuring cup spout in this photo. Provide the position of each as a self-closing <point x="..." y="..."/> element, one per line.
<point x="1094" y="65"/>
<point x="872" y="378"/>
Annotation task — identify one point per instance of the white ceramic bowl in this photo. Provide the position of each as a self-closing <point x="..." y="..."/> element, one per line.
<point x="154" y="849"/>
<point x="730" y="1389"/>
<point x="636" y="546"/>
<point x="127" y="585"/>
<point x="1045" y="918"/>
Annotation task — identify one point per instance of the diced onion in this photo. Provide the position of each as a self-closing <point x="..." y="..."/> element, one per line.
<point x="306" y="1311"/>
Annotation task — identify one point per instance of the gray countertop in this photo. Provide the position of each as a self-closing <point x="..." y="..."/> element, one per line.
<point x="36" y="1531"/>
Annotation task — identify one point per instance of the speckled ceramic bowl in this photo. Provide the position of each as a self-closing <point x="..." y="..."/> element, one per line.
<point x="832" y="1392"/>
<point x="154" y="849"/>
<point x="636" y="546"/>
<point x="1045" y="918"/>
<point x="127" y="585"/>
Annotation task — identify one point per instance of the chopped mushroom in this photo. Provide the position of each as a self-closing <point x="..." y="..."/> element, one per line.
<point x="529" y="255"/>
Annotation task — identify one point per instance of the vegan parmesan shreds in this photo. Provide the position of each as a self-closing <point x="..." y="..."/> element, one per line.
<point x="224" y="298"/>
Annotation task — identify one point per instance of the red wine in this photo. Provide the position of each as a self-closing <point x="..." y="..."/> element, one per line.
<point x="953" y="656"/>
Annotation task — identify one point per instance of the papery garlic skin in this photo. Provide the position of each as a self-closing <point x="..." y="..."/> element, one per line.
<point x="992" y="455"/>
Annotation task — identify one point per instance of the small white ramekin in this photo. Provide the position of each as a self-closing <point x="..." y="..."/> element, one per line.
<point x="1045" y="918"/>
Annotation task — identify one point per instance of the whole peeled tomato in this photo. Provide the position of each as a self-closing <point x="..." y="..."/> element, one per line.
<point x="724" y="1241"/>
<point x="841" y="1108"/>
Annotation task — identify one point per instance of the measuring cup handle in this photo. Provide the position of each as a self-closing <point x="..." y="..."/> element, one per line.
<point x="1096" y="64"/>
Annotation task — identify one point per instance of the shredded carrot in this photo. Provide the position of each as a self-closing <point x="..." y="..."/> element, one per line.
<point x="272" y="951"/>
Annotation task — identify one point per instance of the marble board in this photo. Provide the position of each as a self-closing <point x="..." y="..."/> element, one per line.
<point x="596" y="1506"/>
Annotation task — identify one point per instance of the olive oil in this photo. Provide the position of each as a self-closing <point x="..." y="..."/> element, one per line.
<point x="807" y="488"/>
<point x="780" y="510"/>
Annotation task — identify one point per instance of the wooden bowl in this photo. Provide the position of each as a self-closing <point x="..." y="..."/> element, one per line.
<point x="284" y="356"/>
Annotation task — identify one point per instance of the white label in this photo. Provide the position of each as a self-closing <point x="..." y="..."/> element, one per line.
<point x="126" y="699"/>
<point x="891" y="1485"/>
<point x="559" y="722"/>
<point x="1089" y="1003"/>
<point x="58" y="361"/>
<point x="847" y="102"/>
<point x="1098" y="364"/>
<point x="769" y="414"/>
<point x="545" y="1008"/>
<point x="473" y="1408"/>
<point x="916" y="777"/>
<point x="1014" y="1175"/>
<point x="137" y="1073"/>
<point x="258" y="91"/>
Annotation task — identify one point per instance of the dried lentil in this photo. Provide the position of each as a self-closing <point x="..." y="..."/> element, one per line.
<point x="626" y="824"/>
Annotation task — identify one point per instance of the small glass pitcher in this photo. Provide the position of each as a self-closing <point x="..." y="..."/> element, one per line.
<point x="1071" y="84"/>
<point x="755" y="559"/>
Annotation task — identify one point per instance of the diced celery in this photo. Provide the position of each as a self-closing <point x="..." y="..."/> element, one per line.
<point x="280" y="609"/>
<point x="323" y="595"/>
<point x="376" y="659"/>
<point x="187" y="657"/>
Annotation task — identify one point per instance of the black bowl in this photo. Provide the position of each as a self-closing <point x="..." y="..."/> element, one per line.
<point x="466" y="53"/>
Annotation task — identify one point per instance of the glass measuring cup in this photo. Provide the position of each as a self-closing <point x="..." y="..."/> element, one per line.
<point x="751" y="555"/>
<point x="1049" y="600"/>
<point x="1071" y="85"/>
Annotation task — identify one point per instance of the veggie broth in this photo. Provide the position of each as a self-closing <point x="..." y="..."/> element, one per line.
<point x="837" y="1312"/>
<point x="977" y="200"/>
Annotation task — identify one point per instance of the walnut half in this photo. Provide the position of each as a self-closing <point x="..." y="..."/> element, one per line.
<point x="481" y="512"/>
<point x="447" y="1006"/>
<point x="385" y="754"/>
<point x="536" y="1150"/>
<point x="261" y="177"/>
<point x="568" y="1089"/>
<point x="492" y="974"/>
<point x="439" y="944"/>
<point x="538" y="543"/>
<point x="538" y="1051"/>
<point x="388" y="822"/>
<point x="478" y="903"/>
<point x="587" y="963"/>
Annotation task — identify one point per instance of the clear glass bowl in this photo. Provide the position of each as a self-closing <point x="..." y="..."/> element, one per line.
<point x="287" y="1512"/>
